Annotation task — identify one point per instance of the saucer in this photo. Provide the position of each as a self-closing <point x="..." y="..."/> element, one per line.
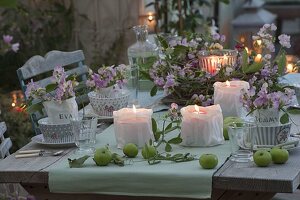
<point x="294" y="142"/>
<point x="39" y="139"/>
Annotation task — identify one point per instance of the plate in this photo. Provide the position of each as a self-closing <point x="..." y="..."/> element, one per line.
<point x="39" y="139"/>
<point x="291" y="144"/>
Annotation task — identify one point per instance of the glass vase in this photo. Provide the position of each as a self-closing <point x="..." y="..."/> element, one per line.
<point x="211" y="61"/>
<point x="140" y="55"/>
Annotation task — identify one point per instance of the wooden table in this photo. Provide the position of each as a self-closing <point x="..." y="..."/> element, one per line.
<point x="231" y="181"/>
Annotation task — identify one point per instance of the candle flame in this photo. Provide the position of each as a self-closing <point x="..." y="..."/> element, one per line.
<point x="197" y="109"/>
<point x="258" y="58"/>
<point x="227" y="83"/>
<point x="258" y="42"/>
<point x="242" y="39"/>
<point x="150" y="17"/>
<point x="289" y="68"/>
<point x="134" y="108"/>
<point x="247" y="50"/>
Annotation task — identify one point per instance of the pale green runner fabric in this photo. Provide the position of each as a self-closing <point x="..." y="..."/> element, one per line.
<point x="138" y="178"/>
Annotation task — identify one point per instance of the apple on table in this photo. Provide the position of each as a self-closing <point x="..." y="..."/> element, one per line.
<point x="130" y="150"/>
<point x="279" y="156"/>
<point x="262" y="158"/>
<point x="102" y="156"/>
<point x="208" y="161"/>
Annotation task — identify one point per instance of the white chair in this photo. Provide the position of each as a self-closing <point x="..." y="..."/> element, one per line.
<point x="5" y="143"/>
<point x="12" y="190"/>
<point x="36" y="67"/>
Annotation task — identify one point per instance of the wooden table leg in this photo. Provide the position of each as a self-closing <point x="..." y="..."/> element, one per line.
<point x="218" y="194"/>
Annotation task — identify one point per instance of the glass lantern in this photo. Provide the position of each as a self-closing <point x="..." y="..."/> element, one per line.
<point x="211" y="61"/>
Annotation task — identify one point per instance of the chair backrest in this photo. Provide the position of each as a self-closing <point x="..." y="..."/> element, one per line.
<point x="5" y="143"/>
<point x="38" y="65"/>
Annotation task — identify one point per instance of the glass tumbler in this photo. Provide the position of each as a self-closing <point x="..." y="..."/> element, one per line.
<point x="84" y="133"/>
<point x="242" y="136"/>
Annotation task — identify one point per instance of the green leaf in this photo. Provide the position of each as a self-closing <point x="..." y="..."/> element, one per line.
<point x="35" y="108"/>
<point x="77" y="163"/>
<point x="284" y="118"/>
<point x="8" y="3"/>
<point x="154" y="125"/>
<point x="169" y="126"/>
<point x="117" y="159"/>
<point x="153" y="91"/>
<point x="171" y="129"/>
<point x="176" y="140"/>
<point x="163" y="42"/>
<point x="157" y="135"/>
<point x="149" y="62"/>
<point x="281" y="61"/>
<point x="145" y="74"/>
<point x="180" y="50"/>
<point x="244" y="60"/>
<point x="71" y="77"/>
<point x="294" y="111"/>
<point x="51" y="87"/>
<point x="255" y="67"/>
<point x="168" y="147"/>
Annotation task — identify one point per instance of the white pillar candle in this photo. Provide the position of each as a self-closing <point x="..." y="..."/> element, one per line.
<point x="133" y="126"/>
<point x="228" y="96"/>
<point x="202" y="126"/>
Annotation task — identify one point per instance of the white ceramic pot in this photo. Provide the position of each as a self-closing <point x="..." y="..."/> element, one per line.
<point x="272" y="135"/>
<point x="104" y="106"/>
<point x="56" y="133"/>
<point x="61" y="113"/>
<point x="267" y="117"/>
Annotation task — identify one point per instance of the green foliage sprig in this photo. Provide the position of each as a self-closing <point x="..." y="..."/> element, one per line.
<point x="179" y="157"/>
<point x="171" y="122"/>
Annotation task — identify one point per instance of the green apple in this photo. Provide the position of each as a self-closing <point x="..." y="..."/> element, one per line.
<point x="102" y="156"/>
<point x="279" y="156"/>
<point x="130" y="150"/>
<point x="262" y="158"/>
<point x="226" y="122"/>
<point x="148" y="151"/>
<point x="208" y="161"/>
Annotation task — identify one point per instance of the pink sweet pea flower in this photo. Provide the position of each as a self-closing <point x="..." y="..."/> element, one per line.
<point x="15" y="47"/>
<point x="7" y="39"/>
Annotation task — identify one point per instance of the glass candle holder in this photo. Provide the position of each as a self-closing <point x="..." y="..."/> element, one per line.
<point x="211" y="61"/>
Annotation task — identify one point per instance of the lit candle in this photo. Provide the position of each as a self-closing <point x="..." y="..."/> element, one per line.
<point x="151" y="22"/>
<point x="257" y="58"/>
<point x="247" y="50"/>
<point x="133" y="125"/>
<point x="289" y="68"/>
<point x="228" y="94"/>
<point x="242" y="39"/>
<point x="150" y="17"/>
<point x="212" y="68"/>
<point x="201" y="126"/>
<point x="197" y="110"/>
<point x="225" y="60"/>
<point x="258" y="42"/>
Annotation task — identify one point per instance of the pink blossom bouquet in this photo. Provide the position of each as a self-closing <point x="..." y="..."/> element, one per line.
<point x="107" y="76"/>
<point x="178" y="72"/>
<point x="61" y="88"/>
<point x="265" y="91"/>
